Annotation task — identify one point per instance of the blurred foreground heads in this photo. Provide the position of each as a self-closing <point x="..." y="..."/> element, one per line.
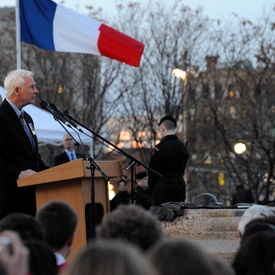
<point x="256" y="255"/>
<point x="181" y="257"/>
<point x="58" y="221"/>
<point x="133" y="224"/>
<point x="110" y="257"/>
<point x="254" y="212"/>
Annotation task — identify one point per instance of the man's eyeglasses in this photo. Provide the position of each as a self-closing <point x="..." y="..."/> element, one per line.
<point x="67" y="139"/>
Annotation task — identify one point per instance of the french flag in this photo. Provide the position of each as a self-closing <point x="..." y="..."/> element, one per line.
<point x="51" y="26"/>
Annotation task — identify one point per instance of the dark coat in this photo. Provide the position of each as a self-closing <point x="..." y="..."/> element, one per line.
<point x="242" y="196"/>
<point x="122" y="197"/>
<point x="142" y="197"/>
<point x="63" y="158"/>
<point x="16" y="155"/>
<point x="169" y="158"/>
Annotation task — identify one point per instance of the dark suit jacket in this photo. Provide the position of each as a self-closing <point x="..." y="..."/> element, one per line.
<point x="16" y="155"/>
<point x="63" y="158"/>
<point x="142" y="197"/>
<point x="169" y="158"/>
<point x="242" y="196"/>
<point x="122" y="197"/>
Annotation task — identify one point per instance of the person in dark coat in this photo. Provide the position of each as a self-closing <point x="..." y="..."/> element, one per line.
<point x="242" y="195"/>
<point x="69" y="153"/>
<point x="19" y="155"/>
<point x="122" y="196"/>
<point x="169" y="158"/>
<point x="142" y="195"/>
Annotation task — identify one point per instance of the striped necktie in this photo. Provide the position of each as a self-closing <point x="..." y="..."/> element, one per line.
<point x="27" y="130"/>
<point x="73" y="156"/>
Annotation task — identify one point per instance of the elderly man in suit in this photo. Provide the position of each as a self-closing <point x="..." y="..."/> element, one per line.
<point x="69" y="153"/>
<point x="19" y="155"/>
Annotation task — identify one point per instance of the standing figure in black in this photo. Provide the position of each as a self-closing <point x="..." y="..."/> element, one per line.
<point x="142" y="194"/>
<point x="169" y="158"/>
<point x="242" y="195"/>
<point x="122" y="196"/>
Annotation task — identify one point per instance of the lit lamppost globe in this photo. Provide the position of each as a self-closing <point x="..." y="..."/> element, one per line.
<point x="239" y="147"/>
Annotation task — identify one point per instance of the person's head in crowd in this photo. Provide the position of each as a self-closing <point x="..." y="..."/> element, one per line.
<point x="24" y="224"/>
<point x="240" y="187"/>
<point x="142" y="179"/>
<point x="42" y="260"/>
<point x="110" y="257"/>
<point x="255" y="211"/>
<point x="122" y="185"/>
<point x="167" y="125"/>
<point x="180" y="256"/>
<point x="122" y="196"/>
<point x="259" y="225"/>
<point x="59" y="221"/>
<point x="256" y="255"/>
<point x="133" y="224"/>
<point x="207" y="199"/>
<point x="222" y="266"/>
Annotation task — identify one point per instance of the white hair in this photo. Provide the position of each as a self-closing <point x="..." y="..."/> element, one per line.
<point x="15" y="78"/>
<point x="255" y="211"/>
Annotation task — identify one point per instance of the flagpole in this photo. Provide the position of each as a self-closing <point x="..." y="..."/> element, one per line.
<point x="18" y="42"/>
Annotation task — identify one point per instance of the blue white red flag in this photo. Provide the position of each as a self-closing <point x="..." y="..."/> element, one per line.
<point x="51" y="26"/>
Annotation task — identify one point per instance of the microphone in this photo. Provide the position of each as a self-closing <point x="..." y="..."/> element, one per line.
<point x="65" y="116"/>
<point x="46" y="105"/>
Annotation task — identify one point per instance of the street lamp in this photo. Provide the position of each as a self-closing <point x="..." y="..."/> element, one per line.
<point x="239" y="148"/>
<point x="178" y="73"/>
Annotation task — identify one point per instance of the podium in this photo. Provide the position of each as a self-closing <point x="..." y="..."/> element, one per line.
<point x="71" y="182"/>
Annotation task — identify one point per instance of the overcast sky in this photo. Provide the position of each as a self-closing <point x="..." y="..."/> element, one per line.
<point x="251" y="9"/>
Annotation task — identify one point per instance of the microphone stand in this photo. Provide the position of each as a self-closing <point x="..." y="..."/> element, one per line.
<point x="93" y="165"/>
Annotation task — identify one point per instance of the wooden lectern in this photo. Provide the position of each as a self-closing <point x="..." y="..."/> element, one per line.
<point x="71" y="182"/>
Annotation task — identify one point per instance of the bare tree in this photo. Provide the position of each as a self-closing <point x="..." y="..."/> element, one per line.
<point x="229" y="91"/>
<point x="7" y="42"/>
<point x="174" y="35"/>
<point x="243" y="105"/>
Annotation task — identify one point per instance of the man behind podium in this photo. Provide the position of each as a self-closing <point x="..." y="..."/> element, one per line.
<point x="19" y="155"/>
<point x="69" y="153"/>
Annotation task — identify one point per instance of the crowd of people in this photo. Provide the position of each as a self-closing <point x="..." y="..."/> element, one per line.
<point x="129" y="240"/>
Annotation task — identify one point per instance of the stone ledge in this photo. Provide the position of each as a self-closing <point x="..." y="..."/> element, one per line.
<point x="215" y="230"/>
<point x="204" y="224"/>
<point x="204" y="235"/>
